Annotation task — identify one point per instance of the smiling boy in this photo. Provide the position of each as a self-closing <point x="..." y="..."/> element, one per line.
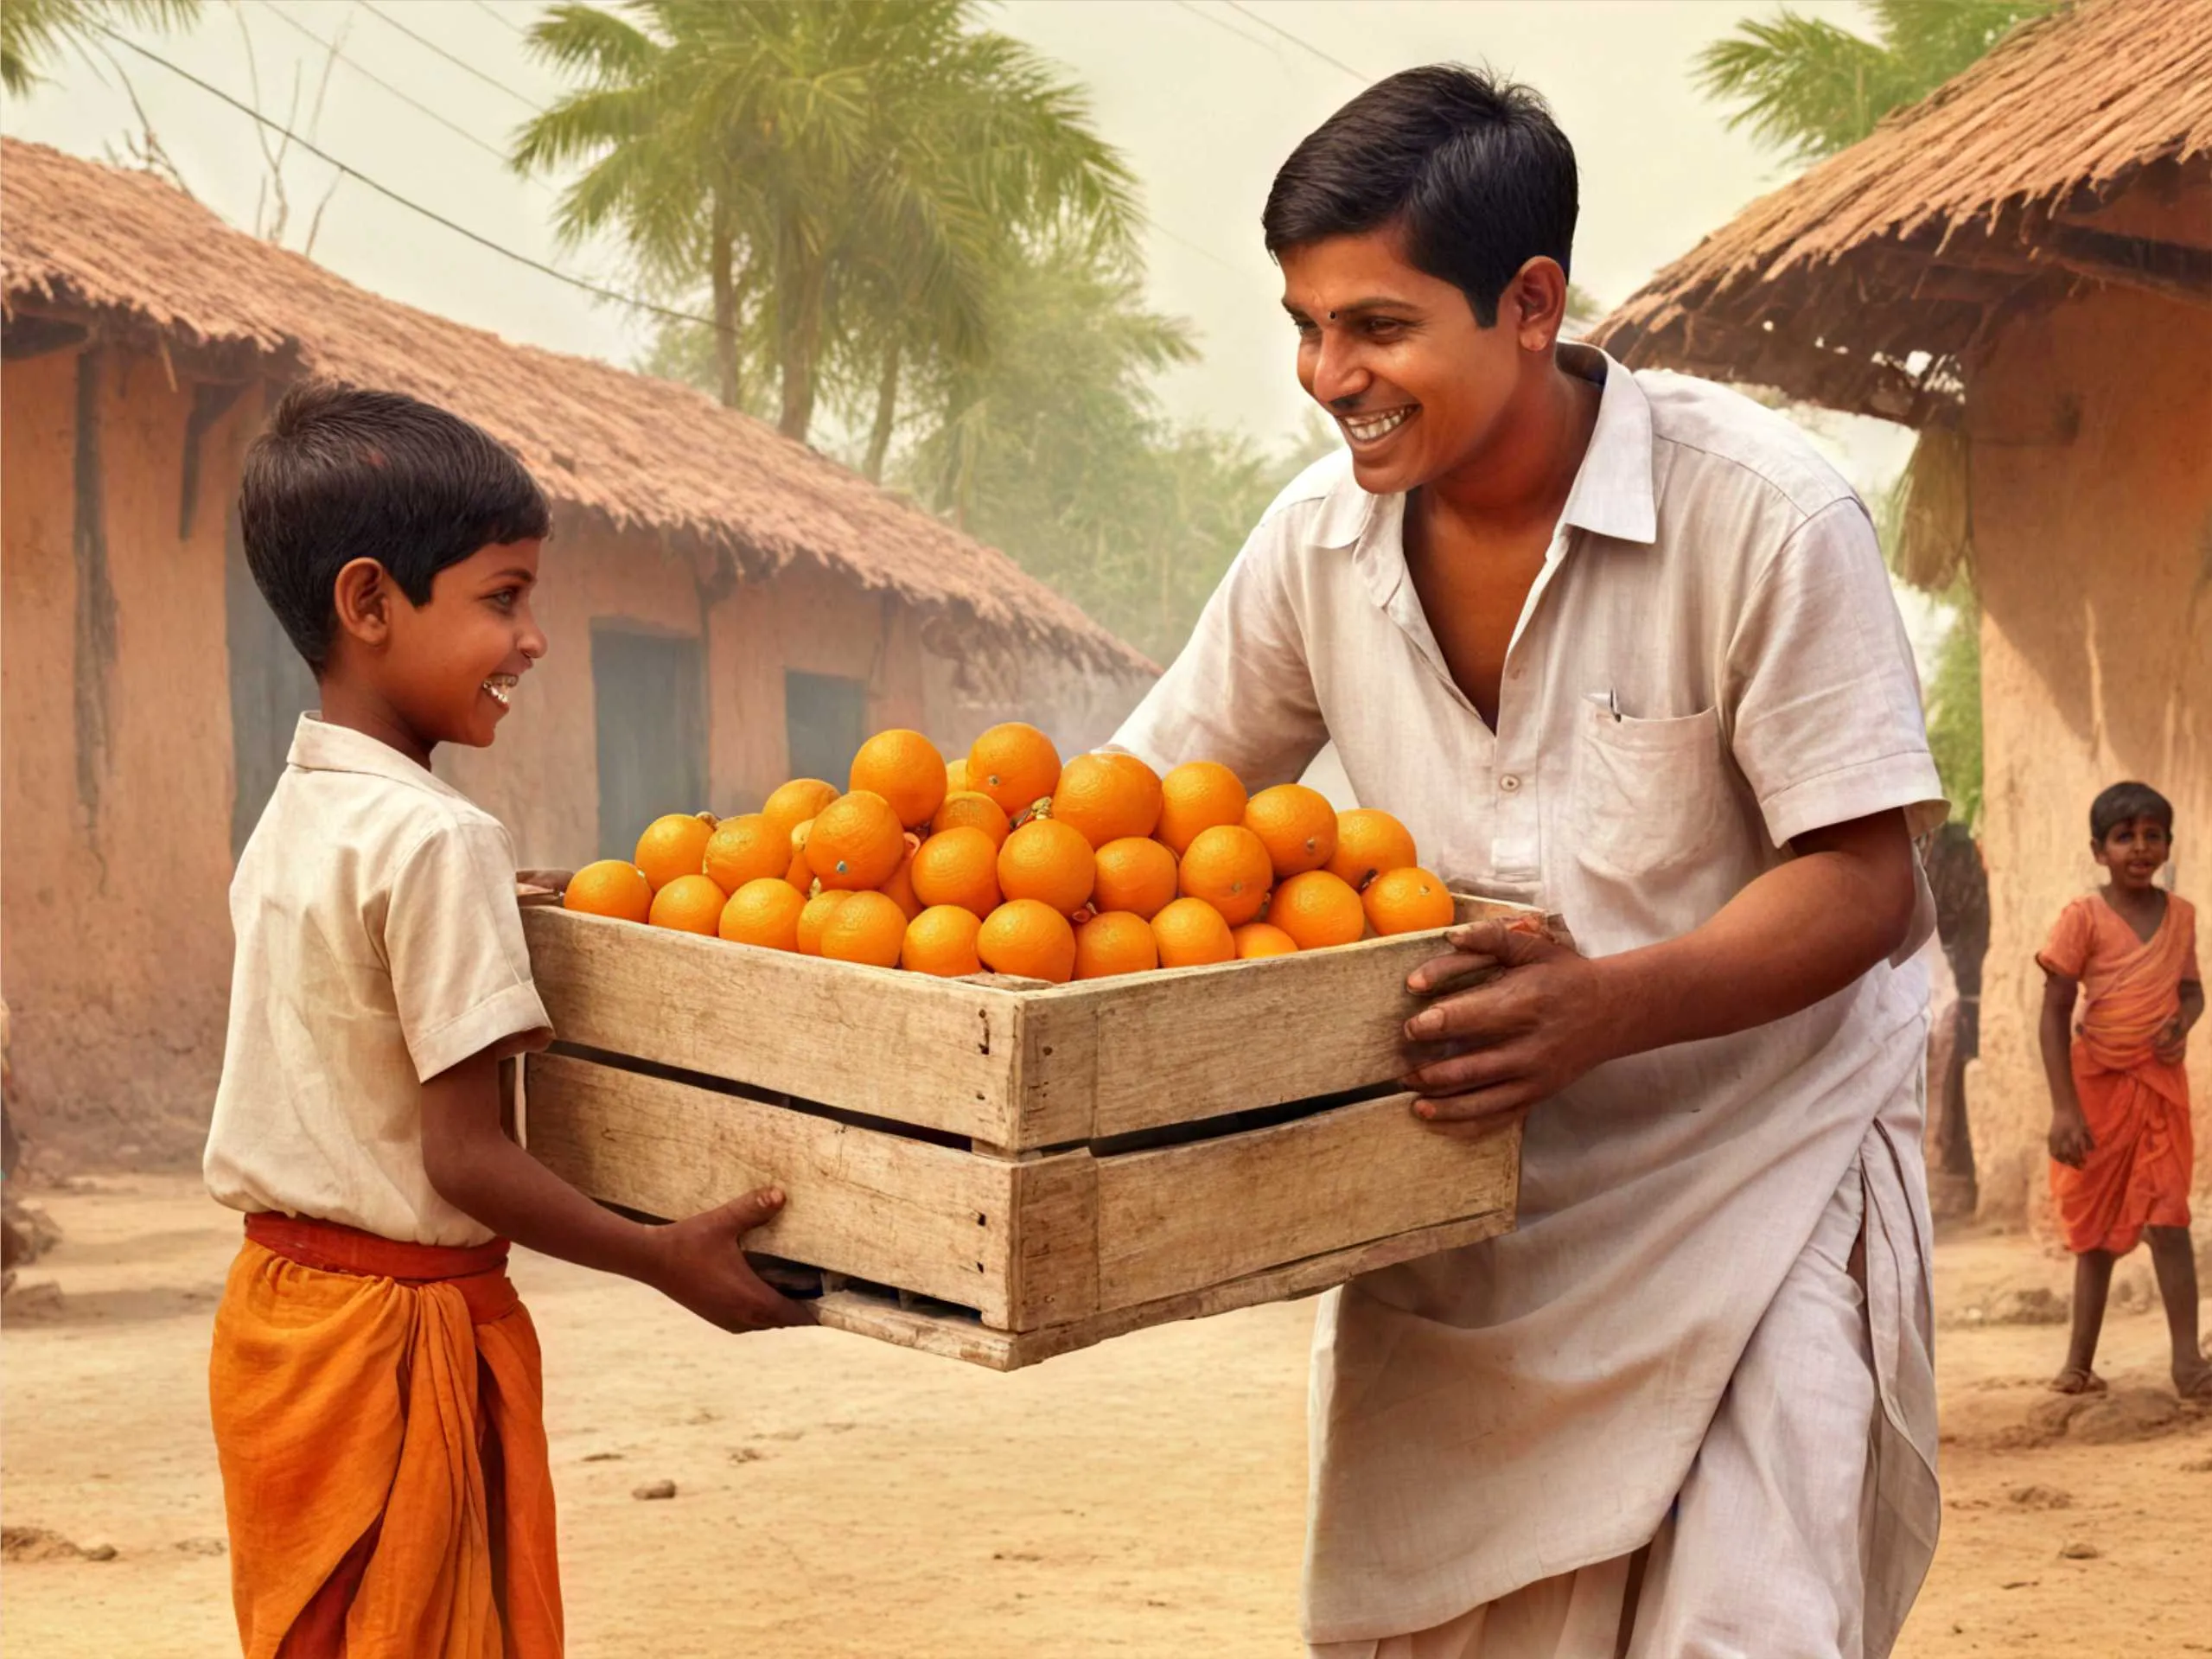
<point x="1620" y="646"/>
<point x="375" y="1381"/>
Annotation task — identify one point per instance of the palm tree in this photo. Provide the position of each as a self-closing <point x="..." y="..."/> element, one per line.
<point x="32" y="32"/>
<point x="1808" y="88"/>
<point x="846" y="175"/>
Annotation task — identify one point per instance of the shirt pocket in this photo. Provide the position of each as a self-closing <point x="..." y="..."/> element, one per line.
<point x="1650" y="797"/>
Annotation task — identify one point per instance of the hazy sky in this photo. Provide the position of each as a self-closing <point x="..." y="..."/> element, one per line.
<point x="1202" y="96"/>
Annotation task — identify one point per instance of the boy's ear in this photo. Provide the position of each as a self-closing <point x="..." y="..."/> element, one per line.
<point x="1536" y="300"/>
<point x="362" y="597"/>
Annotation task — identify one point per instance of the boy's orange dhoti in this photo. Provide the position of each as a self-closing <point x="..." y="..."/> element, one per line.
<point x="379" y="1413"/>
<point x="2138" y="1172"/>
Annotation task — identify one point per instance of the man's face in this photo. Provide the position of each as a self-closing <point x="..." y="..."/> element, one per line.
<point x="453" y="664"/>
<point x="1415" y="385"/>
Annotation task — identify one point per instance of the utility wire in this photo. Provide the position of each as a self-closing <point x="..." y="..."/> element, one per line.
<point x="375" y="80"/>
<point x="390" y="21"/>
<point x="390" y="195"/>
<point x="500" y="18"/>
<point x="1303" y="45"/>
<point x="1227" y="27"/>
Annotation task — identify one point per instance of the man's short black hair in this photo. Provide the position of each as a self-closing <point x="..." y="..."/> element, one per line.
<point x="1471" y="168"/>
<point x="342" y="473"/>
<point x="2123" y="804"/>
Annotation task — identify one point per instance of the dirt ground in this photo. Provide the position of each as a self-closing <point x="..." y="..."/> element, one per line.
<point x="837" y="1497"/>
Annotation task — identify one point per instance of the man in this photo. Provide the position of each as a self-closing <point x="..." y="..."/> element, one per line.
<point x="1621" y="646"/>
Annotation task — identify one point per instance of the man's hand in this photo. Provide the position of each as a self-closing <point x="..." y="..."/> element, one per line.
<point x="2071" y="1141"/>
<point x="700" y="1263"/>
<point x="1539" y="1022"/>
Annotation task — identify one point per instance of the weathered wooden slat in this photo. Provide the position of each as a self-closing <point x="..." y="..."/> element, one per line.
<point x="1181" y="1218"/>
<point x="955" y="1337"/>
<point x="861" y="1201"/>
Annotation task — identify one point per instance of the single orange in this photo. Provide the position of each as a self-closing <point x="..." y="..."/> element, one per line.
<point x="900" y="888"/>
<point x="1370" y="843"/>
<point x="793" y="803"/>
<point x="1190" y="932"/>
<point x="763" y="912"/>
<point x="1048" y="861"/>
<point x="941" y="940"/>
<point x="1016" y="765"/>
<point x="690" y="904"/>
<point x="1258" y="939"/>
<point x="612" y="887"/>
<point x="674" y="846"/>
<point x="956" y="776"/>
<point x="1107" y="797"/>
<point x="965" y="809"/>
<point x="958" y="866"/>
<point x="1114" y="942"/>
<point x="745" y="849"/>
<point x="1197" y="796"/>
<point x="1136" y="874"/>
<point x="1229" y="867"/>
<point x="905" y="768"/>
<point x="816" y="916"/>
<point x="1318" y="909"/>
<point x="868" y="927"/>
<point x="856" y="842"/>
<point x="1408" y="900"/>
<point x="1297" y="824"/>
<point x="1029" y="939"/>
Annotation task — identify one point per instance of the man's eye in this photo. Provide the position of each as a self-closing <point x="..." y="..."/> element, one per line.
<point x="1382" y="327"/>
<point x="504" y="598"/>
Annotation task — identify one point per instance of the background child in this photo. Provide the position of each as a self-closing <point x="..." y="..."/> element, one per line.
<point x="375" y="1381"/>
<point x="2119" y="1131"/>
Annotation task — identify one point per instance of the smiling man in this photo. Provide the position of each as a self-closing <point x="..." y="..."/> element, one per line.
<point x="1621" y="646"/>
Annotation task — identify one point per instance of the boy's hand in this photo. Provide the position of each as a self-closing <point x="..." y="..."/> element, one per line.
<point x="2171" y="1045"/>
<point x="2071" y="1141"/>
<point x="701" y="1265"/>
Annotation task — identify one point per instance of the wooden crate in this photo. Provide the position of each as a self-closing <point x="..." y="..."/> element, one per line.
<point x="1000" y="1171"/>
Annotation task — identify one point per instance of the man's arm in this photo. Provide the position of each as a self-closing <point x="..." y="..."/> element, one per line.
<point x="1801" y="932"/>
<point x="699" y="1263"/>
<point x="2070" y="1141"/>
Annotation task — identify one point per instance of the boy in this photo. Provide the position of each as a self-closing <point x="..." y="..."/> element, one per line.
<point x="2120" y="1133"/>
<point x="375" y="1382"/>
<point x="1620" y="646"/>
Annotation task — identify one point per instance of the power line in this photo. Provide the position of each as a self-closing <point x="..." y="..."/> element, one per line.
<point x="391" y="22"/>
<point x="1302" y="44"/>
<point x="512" y="28"/>
<point x="331" y="47"/>
<point x="1227" y="28"/>
<point x="390" y="195"/>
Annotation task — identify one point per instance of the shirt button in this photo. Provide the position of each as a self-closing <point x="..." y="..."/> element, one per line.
<point x="1509" y="783"/>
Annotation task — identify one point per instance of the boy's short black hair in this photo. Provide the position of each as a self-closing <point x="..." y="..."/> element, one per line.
<point x="1471" y="168"/>
<point x="342" y="473"/>
<point x="2123" y="804"/>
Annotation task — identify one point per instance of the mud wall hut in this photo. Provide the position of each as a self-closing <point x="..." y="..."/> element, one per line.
<point x="2021" y="267"/>
<point x="725" y="608"/>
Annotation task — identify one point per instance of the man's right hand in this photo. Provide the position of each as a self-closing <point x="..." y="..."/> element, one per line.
<point x="701" y="1264"/>
<point x="2071" y="1141"/>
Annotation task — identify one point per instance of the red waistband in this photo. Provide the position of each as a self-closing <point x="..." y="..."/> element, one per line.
<point x="335" y="1248"/>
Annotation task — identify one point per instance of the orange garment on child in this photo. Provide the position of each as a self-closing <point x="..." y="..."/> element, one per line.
<point x="2139" y="1171"/>
<point x="378" y="1412"/>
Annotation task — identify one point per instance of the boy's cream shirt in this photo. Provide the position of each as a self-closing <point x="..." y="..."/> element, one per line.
<point x="1710" y="664"/>
<point x="379" y="944"/>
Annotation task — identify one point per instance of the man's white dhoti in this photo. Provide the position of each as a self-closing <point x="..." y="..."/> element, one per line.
<point x="1655" y="1392"/>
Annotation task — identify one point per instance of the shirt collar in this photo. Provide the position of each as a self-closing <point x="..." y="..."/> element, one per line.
<point x="319" y="746"/>
<point x="1613" y="494"/>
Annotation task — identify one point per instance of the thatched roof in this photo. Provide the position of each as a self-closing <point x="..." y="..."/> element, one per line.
<point x="2003" y="187"/>
<point x="147" y="265"/>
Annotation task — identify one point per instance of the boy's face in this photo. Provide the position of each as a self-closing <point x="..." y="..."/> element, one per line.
<point x="1415" y="384"/>
<point x="450" y="667"/>
<point x="2132" y="852"/>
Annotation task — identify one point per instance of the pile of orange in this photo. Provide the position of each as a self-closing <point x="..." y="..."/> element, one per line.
<point x="1007" y="861"/>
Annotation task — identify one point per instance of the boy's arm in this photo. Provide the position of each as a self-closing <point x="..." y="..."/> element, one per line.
<point x="699" y="1263"/>
<point x="2173" y="1041"/>
<point x="2070" y="1141"/>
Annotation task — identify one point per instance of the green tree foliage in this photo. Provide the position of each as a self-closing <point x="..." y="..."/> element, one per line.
<point x="34" y="32"/>
<point x="1955" y="711"/>
<point x="1809" y="88"/>
<point x="844" y="177"/>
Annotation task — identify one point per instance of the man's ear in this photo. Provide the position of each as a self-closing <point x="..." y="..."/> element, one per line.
<point x="1535" y="301"/>
<point x="362" y="597"/>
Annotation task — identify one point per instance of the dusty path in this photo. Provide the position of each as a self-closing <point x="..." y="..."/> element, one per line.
<point x="836" y="1497"/>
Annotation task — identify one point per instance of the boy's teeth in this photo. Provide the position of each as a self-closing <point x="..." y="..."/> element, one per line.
<point x="499" y="690"/>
